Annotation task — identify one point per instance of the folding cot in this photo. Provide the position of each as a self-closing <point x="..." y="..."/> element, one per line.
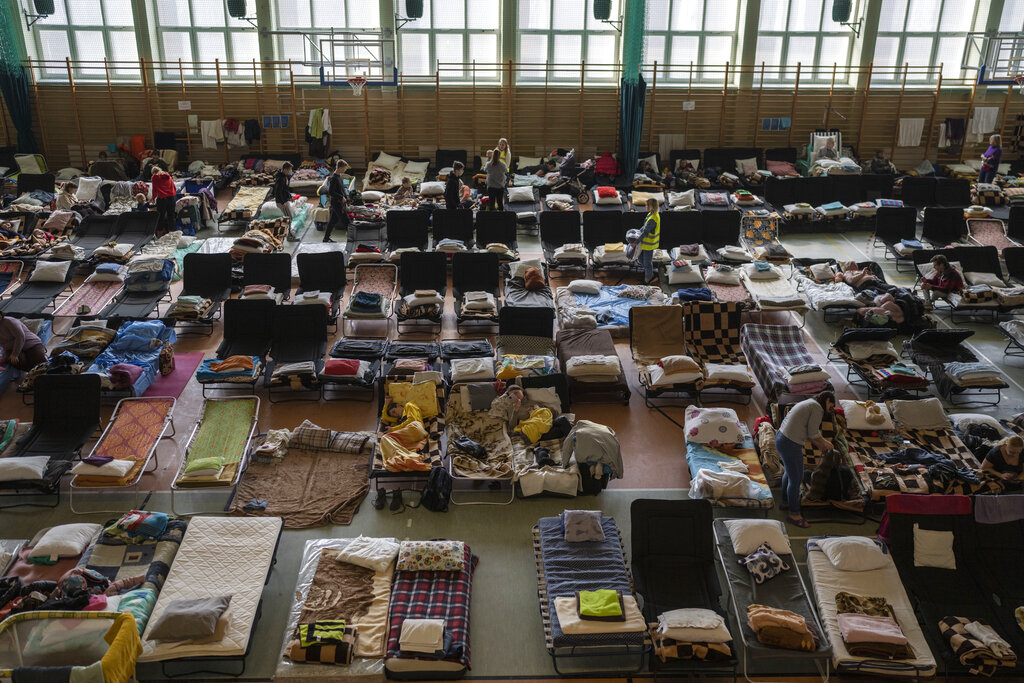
<point x="35" y="644"/>
<point x="882" y="582"/>
<point x="444" y="595"/>
<point x="935" y="350"/>
<point x="785" y="591"/>
<point x="606" y="206"/>
<point x="476" y="272"/>
<point x="408" y="230"/>
<point x="84" y="341"/>
<point x="559" y="230"/>
<point x="59" y="430"/>
<point x="273" y="269"/>
<point x="533" y="478"/>
<point x="719" y="229"/>
<point x="421" y="271"/>
<point x="138" y="344"/>
<point x="759" y="235"/>
<point x="94" y="231"/>
<point x="136" y="228"/>
<point x="522" y="208"/>
<point x="377" y="282"/>
<point x="989" y="232"/>
<point x="208" y="277"/>
<point x="88" y="299"/>
<point x="461" y="349"/>
<point x="941" y="226"/>
<point x="947" y="594"/>
<point x="496" y="467"/>
<point x="987" y="288"/>
<point x="608" y="309"/>
<point x="836" y="300"/>
<point x="600" y="230"/>
<point x="771" y="350"/>
<point x="525" y="331"/>
<point x="141" y="300"/>
<point x="676" y="570"/>
<point x="496" y="232"/>
<point x="683" y="227"/>
<point x="918" y="193"/>
<point x="396" y="461"/>
<point x="247" y="328"/>
<point x="370" y="351"/>
<point x="727" y="292"/>
<point x="208" y="565"/>
<point x="775" y="295"/>
<point x="325" y="273"/>
<point x="516" y="293"/>
<point x="875" y="372"/>
<point x="366" y="238"/>
<point x="656" y="332"/>
<point x="565" y="568"/>
<point x="892" y="225"/>
<point x="453" y="225"/>
<point x="427" y="351"/>
<point x="244" y="205"/>
<point x="297" y="350"/>
<point x="711" y="333"/>
<point x="132" y="435"/>
<point x="589" y="386"/>
<point x="217" y="449"/>
<point x="33" y="297"/>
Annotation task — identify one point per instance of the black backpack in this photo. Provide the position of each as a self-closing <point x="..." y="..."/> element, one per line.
<point x="438" y="490"/>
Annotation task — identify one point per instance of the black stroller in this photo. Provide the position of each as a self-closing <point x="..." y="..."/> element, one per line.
<point x="571" y="182"/>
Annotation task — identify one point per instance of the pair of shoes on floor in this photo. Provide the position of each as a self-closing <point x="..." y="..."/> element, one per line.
<point x="381" y="499"/>
<point x="328" y="239"/>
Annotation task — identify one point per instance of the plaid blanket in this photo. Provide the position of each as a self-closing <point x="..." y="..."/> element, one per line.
<point x="433" y="595"/>
<point x="972" y="653"/>
<point x="712" y="332"/>
<point x="771" y="349"/>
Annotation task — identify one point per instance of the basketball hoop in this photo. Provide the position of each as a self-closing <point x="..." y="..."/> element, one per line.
<point x="1019" y="81"/>
<point x="357" y="84"/>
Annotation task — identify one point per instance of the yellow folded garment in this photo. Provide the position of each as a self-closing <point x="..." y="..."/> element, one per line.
<point x="118" y="664"/>
<point x="537" y="425"/>
<point x="412" y="435"/>
<point x="571" y="624"/>
<point x="614" y="247"/>
<point x="233" y="363"/>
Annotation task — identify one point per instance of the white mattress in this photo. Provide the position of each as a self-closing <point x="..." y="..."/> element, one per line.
<point x="762" y="290"/>
<point x="218" y="556"/>
<point x="883" y="583"/>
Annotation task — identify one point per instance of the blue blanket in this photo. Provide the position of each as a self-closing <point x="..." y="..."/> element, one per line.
<point x="612" y="310"/>
<point x="702" y="457"/>
<point x="138" y="343"/>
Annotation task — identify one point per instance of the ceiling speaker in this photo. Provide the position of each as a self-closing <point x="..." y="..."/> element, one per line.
<point x="414" y="9"/>
<point x="841" y="11"/>
<point x="236" y="9"/>
<point x="602" y="9"/>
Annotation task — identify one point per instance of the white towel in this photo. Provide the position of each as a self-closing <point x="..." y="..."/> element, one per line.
<point x="212" y="132"/>
<point x="910" y="132"/>
<point x="984" y="120"/>
<point x="943" y="141"/>
<point x="991" y="639"/>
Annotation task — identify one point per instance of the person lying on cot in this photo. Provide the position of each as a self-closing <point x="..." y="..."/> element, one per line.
<point x="854" y="275"/>
<point x="885" y="309"/>
<point x="648" y="170"/>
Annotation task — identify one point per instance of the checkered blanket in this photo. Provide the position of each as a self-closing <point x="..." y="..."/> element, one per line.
<point x="971" y="652"/>
<point x="711" y="332"/>
<point x="771" y="349"/>
<point x="433" y="595"/>
<point x="255" y="179"/>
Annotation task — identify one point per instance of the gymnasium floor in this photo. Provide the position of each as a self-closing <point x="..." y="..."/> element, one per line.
<point x="507" y="635"/>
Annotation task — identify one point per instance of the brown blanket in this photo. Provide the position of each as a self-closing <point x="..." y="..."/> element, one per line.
<point x="308" y="488"/>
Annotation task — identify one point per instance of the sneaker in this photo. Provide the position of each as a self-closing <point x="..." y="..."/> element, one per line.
<point x="397" y="504"/>
<point x="381" y="499"/>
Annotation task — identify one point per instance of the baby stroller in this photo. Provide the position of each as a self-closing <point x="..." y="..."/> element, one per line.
<point x="570" y="181"/>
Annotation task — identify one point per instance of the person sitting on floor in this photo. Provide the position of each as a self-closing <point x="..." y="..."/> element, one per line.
<point x="21" y="347"/>
<point x="404" y="190"/>
<point x="140" y="203"/>
<point x="1004" y="460"/>
<point x="944" y="282"/>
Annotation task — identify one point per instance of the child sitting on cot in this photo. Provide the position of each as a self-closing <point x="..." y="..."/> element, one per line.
<point x="404" y="191"/>
<point x="140" y="203"/>
<point x="66" y="199"/>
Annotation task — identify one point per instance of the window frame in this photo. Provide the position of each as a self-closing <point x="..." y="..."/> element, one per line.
<point x="466" y="33"/>
<point x="168" y="73"/>
<point x="813" y="73"/>
<point x="554" y="80"/>
<point x="70" y="30"/>
<point x="936" y="36"/>
<point x="677" y="73"/>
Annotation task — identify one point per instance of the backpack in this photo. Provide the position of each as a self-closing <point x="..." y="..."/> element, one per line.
<point x="438" y="490"/>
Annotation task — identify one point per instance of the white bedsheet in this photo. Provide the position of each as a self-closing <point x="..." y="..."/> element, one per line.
<point x="775" y="295"/>
<point x="884" y="583"/>
<point x="830" y="294"/>
<point x="218" y="556"/>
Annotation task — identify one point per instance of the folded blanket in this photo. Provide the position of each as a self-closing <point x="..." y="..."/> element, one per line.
<point x="479" y="302"/>
<point x="965" y="372"/>
<point x="590" y="365"/>
<point x="571" y="623"/>
<point x="124" y="375"/>
<point x="366" y="302"/>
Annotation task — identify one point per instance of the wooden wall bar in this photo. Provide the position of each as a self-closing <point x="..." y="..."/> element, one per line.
<point x="81" y="107"/>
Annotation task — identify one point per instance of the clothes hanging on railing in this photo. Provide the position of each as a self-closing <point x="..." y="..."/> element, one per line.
<point x="1017" y="143"/>
<point x="318" y="132"/>
<point x="211" y="132"/>
<point x="252" y="130"/>
<point x="910" y="132"/>
<point x="233" y="134"/>
<point x="954" y="131"/>
<point x="984" y="120"/>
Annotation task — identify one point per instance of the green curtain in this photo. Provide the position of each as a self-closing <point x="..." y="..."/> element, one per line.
<point x="634" y="88"/>
<point x="14" y="81"/>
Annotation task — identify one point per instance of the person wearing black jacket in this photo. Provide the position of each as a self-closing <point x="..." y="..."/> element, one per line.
<point x="339" y="203"/>
<point x="452" y="187"/>
<point x="282" y="192"/>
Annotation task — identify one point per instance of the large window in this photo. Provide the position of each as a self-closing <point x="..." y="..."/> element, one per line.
<point x="681" y="32"/>
<point x="923" y="33"/>
<point x="1012" y="20"/>
<point x="201" y="30"/>
<point x="565" y="32"/>
<point x="313" y="21"/>
<point x="452" y="33"/>
<point x="90" y="31"/>
<point x="802" y="32"/>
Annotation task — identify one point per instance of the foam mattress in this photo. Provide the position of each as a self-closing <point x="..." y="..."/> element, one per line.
<point x="218" y="556"/>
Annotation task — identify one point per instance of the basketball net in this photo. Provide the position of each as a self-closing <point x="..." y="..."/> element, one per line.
<point x="357" y="84"/>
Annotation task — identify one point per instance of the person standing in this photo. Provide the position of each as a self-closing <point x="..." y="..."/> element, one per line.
<point x="451" y="187"/>
<point x="282" y="189"/>
<point x="990" y="160"/>
<point x="802" y="424"/>
<point x="504" y="152"/>
<point x="21" y="347"/>
<point x="339" y="202"/>
<point x="166" y="195"/>
<point x="650" y="239"/>
<point x="497" y="173"/>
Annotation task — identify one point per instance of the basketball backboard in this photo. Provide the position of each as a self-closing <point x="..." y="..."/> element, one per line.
<point x="998" y="57"/>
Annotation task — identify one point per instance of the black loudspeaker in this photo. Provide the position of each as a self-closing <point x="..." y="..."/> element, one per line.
<point x="44" y="7"/>
<point x="236" y="9"/>
<point x="414" y="9"/>
<point x="841" y="10"/>
<point x="602" y="9"/>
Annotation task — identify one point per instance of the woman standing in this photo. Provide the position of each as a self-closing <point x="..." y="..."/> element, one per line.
<point x="802" y="424"/>
<point x="650" y="239"/>
<point x="497" y="172"/>
<point x="504" y="153"/>
<point x="166" y="195"/>
<point x="990" y="160"/>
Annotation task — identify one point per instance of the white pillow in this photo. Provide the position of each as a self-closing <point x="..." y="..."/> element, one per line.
<point x="929" y="270"/>
<point x="718" y="634"/>
<point x="372" y="553"/>
<point x="50" y="271"/>
<point x="798" y="210"/>
<point x="990" y="279"/>
<point x="559" y="197"/>
<point x="822" y="271"/>
<point x="523" y="162"/>
<point x="728" y="373"/>
<point x="865" y="349"/>
<point x="385" y="160"/>
<point x="659" y="378"/>
<point x="853" y="553"/>
<point x="681" y="198"/>
<point x="520" y="194"/>
<point x="472" y="369"/>
<point x="184" y="241"/>
<point x="547" y="397"/>
<point x="855" y="417"/>
<point x="371" y="196"/>
<point x="519" y="268"/>
<point x="711" y="425"/>
<point x="964" y="420"/>
<point x="690" y="276"/>
<point x="66" y="540"/>
<point x="754" y="274"/>
<point x="28" y="467"/>
<point x="270" y="210"/>
<point x="417" y="167"/>
<point x="617" y="199"/>
<point x="748" y="534"/>
<point x="109" y="277"/>
<point x="723" y="277"/>
<point x="87" y="188"/>
<point x="746" y="166"/>
<point x="432" y="189"/>
<point x="585" y="287"/>
<point x="933" y="548"/>
<point x="653" y="159"/>
<point x="925" y="413"/>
